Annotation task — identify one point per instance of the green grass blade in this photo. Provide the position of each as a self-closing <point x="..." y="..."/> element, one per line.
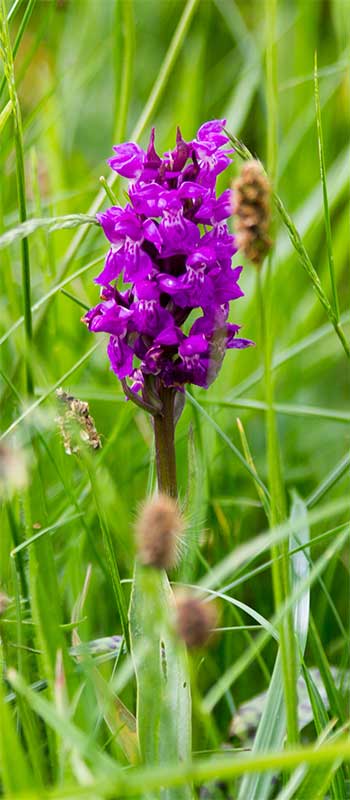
<point x="329" y="481"/>
<point x="131" y="783"/>
<point x="110" y="548"/>
<point x="300" y="249"/>
<point x="64" y="728"/>
<point x="281" y="408"/>
<point x="51" y="293"/>
<point x="279" y="553"/>
<point x="43" y="531"/>
<point x="338" y="787"/>
<point x="272" y="726"/>
<point x="62" y="379"/>
<point x="250" y="461"/>
<point x="259" y="544"/>
<point x="124" y="19"/>
<point x="7" y="58"/>
<point x="229" y="443"/>
<point x="334" y="697"/>
<point x="286" y="355"/>
<point x="13" y="10"/>
<point x="233" y="672"/>
<point x="327" y="218"/>
<point x="50" y="224"/>
<point x="16" y="774"/>
<point x="319" y="776"/>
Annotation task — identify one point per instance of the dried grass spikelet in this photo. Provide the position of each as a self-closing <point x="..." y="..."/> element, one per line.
<point x="251" y="205"/>
<point x="159" y="528"/>
<point x="76" y="415"/>
<point x="195" y="619"/>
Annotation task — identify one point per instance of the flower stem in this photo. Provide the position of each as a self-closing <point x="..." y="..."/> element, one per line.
<point x="164" y="434"/>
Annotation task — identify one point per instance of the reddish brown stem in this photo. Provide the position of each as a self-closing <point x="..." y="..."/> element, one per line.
<point x="164" y="433"/>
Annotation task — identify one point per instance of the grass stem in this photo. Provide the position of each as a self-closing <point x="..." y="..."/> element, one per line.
<point x="280" y="567"/>
<point x="325" y="193"/>
<point x="9" y="73"/>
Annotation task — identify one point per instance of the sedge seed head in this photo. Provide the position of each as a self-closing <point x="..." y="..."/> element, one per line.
<point x="159" y="528"/>
<point x="251" y="206"/>
<point x="195" y="620"/>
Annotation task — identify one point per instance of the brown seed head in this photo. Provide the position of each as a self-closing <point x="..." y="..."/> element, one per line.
<point x="158" y="531"/>
<point x="195" y="620"/>
<point x="251" y="195"/>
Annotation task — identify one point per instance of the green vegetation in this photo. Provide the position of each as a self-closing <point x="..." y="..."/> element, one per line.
<point x="262" y="455"/>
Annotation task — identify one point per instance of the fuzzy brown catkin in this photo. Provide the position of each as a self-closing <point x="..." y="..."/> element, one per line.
<point x="195" y="620"/>
<point x="251" y="204"/>
<point x="158" y="529"/>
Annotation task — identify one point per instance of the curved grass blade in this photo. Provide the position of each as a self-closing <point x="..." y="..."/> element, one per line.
<point x="50" y="224"/>
<point x="286" y="355"/>
<point x="132" y="783"/>
<point x="249" y="458"/>
<point x="110" y="550"/>
<point x="65" y="728"/>
<point x="37" y="403"/>
<point x="327" y="218"/>
<point x="272" y="727"/>
<point x="321" y="721"/>
<point x="230" y="444"/>
<point x="54" y="290"/>
<point x="235" y="670"/>
<point x="16" y="774"/>
<point x="281" y="408"/>
<point x="300" y="249"/>
<point x="9" y="75"/>
<point x="319" y="776"/>
<point x="125" y="69"/>
<point x="330" y="480"/>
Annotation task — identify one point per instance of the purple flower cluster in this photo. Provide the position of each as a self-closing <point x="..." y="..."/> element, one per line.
<point x="172" y="245"/>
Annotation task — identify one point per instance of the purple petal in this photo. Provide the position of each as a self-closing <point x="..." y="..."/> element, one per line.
<point x="213" y="131"/>
<point x="112" y="268"/>
<point x="120" y="356"/>
<point x="128" y="160"/>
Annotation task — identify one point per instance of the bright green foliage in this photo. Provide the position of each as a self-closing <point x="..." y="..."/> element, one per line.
<point x="84" y="714"/>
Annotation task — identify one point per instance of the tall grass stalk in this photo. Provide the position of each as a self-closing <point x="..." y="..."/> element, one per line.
<point x="300" y="248"/>
<point x="280" y="567"/>
<point x="7" y="58"/>
<point x="327" y="219"/>
<point x="125" y="22"/>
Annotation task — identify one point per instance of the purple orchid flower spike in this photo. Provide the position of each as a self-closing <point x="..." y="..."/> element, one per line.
<point x="172" y="247"/>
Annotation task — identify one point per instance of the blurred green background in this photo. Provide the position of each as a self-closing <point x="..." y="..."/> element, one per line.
<point x="85" y="70"/>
